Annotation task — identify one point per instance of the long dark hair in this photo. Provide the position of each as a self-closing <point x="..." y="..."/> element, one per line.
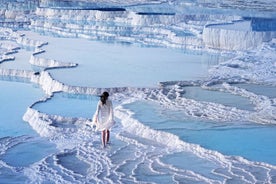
<point x="104" y="97"/>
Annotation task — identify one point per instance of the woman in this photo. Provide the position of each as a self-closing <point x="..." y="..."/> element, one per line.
<point x="103" y="117"/>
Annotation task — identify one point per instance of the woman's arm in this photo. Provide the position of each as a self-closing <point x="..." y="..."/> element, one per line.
<point x="111" y="111"/>
<point x="96" y="114"/>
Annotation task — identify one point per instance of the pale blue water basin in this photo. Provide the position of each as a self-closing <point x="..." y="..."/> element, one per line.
<point x="251" y="141"/>
<point x="15" y="98"/>
<point x="29" y="151"/>
<point x="265" y="90"/>
<point x="20" y="145"/>
<point x="69" y="105"/>
<point x="21" y="61"/>
<point x="103" y="64"/>
<point x="224" y="98"/>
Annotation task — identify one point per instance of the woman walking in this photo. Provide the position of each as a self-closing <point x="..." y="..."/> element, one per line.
<point x="103" y="117"/>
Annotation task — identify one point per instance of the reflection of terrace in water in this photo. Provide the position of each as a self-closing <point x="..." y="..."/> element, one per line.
<point x="243" y="34"/>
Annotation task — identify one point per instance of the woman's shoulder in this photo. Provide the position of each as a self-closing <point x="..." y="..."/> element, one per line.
<point x="100" y="103"/>
<point x="108" y="101"/>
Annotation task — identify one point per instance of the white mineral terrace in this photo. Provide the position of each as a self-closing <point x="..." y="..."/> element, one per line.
<point x="235" y="36"/>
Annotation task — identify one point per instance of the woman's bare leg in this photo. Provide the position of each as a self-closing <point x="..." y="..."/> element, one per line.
<point x="107" y="136"/>
<point x="103" y="138"/>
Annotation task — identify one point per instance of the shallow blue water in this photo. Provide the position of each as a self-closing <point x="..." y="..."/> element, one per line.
<point x="224" y="98"/>
<point x="251" y="141"/>
<point x="29" y="151"/>
<point x="69" y="105"/>
<point x="20" y="145"/>
<point x="104" y="64"/>
<point x="269" y="91"/>
<point x="15" y="98"/>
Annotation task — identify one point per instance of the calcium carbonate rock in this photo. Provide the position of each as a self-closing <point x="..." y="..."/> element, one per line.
<point x="236" y="36"/>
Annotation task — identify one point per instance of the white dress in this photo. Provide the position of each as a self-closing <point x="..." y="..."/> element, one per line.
<point x="103" y="117"/>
